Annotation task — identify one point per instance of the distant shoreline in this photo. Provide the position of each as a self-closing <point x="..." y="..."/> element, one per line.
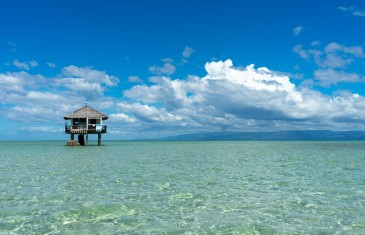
<point x="295" y="135"/>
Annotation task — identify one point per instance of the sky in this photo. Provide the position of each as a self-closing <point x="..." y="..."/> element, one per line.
<point x="162" y="68"/>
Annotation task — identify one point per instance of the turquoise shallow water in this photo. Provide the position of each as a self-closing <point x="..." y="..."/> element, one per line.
<point x="183" y="187"/>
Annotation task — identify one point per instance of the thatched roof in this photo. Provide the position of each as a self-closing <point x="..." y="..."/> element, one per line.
<point x="86" y="112"/>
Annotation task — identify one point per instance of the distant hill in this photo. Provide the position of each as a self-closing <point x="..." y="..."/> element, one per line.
<point x="277" y="135"/>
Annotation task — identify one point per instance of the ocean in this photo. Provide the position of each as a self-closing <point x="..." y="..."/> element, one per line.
<point x="183" y="187"/>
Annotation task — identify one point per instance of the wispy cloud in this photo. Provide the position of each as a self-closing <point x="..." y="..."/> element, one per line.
<point x="25" y="65"/>
<point x="307" y="53"/>
<point x="187" y="52"/>
<point x="21" y="65"/>
<point x="10" y="43"/>
<point x="353" y="10"/>
<point x="316" y="43"/>
<point x="334" y="47"/>
<point x="329" y="77"/>
<point x="166" y="69"/>
<point x="135" y="79"/>
<point x="298" y="30"/>
<point x="51" y="65"/>
<point x="334" y="55"/>
<point x="332" y="62"/>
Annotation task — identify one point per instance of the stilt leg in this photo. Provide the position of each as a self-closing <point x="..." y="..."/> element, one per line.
<point x="87" y="139"/>
<point x="81" y="139"/>
<point x="99" y="139"/>
<point x="72" y="137"/>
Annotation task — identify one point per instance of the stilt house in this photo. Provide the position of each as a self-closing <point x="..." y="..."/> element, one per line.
<point x="83" y="122"/>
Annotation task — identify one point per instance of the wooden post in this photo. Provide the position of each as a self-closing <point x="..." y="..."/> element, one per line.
<point x="72" y="137"/>
<point x="87" y="139"/>
<point x="99" y="139"/>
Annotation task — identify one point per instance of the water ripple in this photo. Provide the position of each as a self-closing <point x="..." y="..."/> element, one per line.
<point x="183" y="188"/>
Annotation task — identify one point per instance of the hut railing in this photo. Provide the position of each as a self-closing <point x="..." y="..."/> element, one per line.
<point x="82" y="127"/>
<point x="91" y="128"/>
<point x="74" y="127"/>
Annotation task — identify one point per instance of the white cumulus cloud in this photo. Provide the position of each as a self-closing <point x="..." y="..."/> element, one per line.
<point x="121" y="117"/>
<point x="232" y="98"/>
<point x="86" y="81"/>
<point x="148" y="113"/>
<point x="34" y="98"/>
<point x="90" y="75"/>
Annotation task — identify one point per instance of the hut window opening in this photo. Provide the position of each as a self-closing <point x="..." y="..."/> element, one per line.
<point x="79" y="123"/>
<point x="94" y="121"/>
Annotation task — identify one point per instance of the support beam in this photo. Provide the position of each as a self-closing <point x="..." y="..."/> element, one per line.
<point x="87" y="139"/>
<point x="72" y="137"/>
<point x="99" y="139"/>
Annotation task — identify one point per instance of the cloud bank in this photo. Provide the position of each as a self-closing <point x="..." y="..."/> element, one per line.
<point x="34" y="98"/>
<point x="229" y="98"/>
<point x="226" y="98"/>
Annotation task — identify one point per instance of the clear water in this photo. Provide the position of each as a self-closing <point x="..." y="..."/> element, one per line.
<point x="182" y="187"/>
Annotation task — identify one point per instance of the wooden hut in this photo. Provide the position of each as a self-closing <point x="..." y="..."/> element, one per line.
<point x="83" y="122"/>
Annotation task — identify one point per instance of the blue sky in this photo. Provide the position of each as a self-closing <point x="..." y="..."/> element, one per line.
<point x="160" y="68"/>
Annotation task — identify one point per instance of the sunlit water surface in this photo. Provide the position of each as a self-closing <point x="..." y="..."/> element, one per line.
<point x="182" y="187"/>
